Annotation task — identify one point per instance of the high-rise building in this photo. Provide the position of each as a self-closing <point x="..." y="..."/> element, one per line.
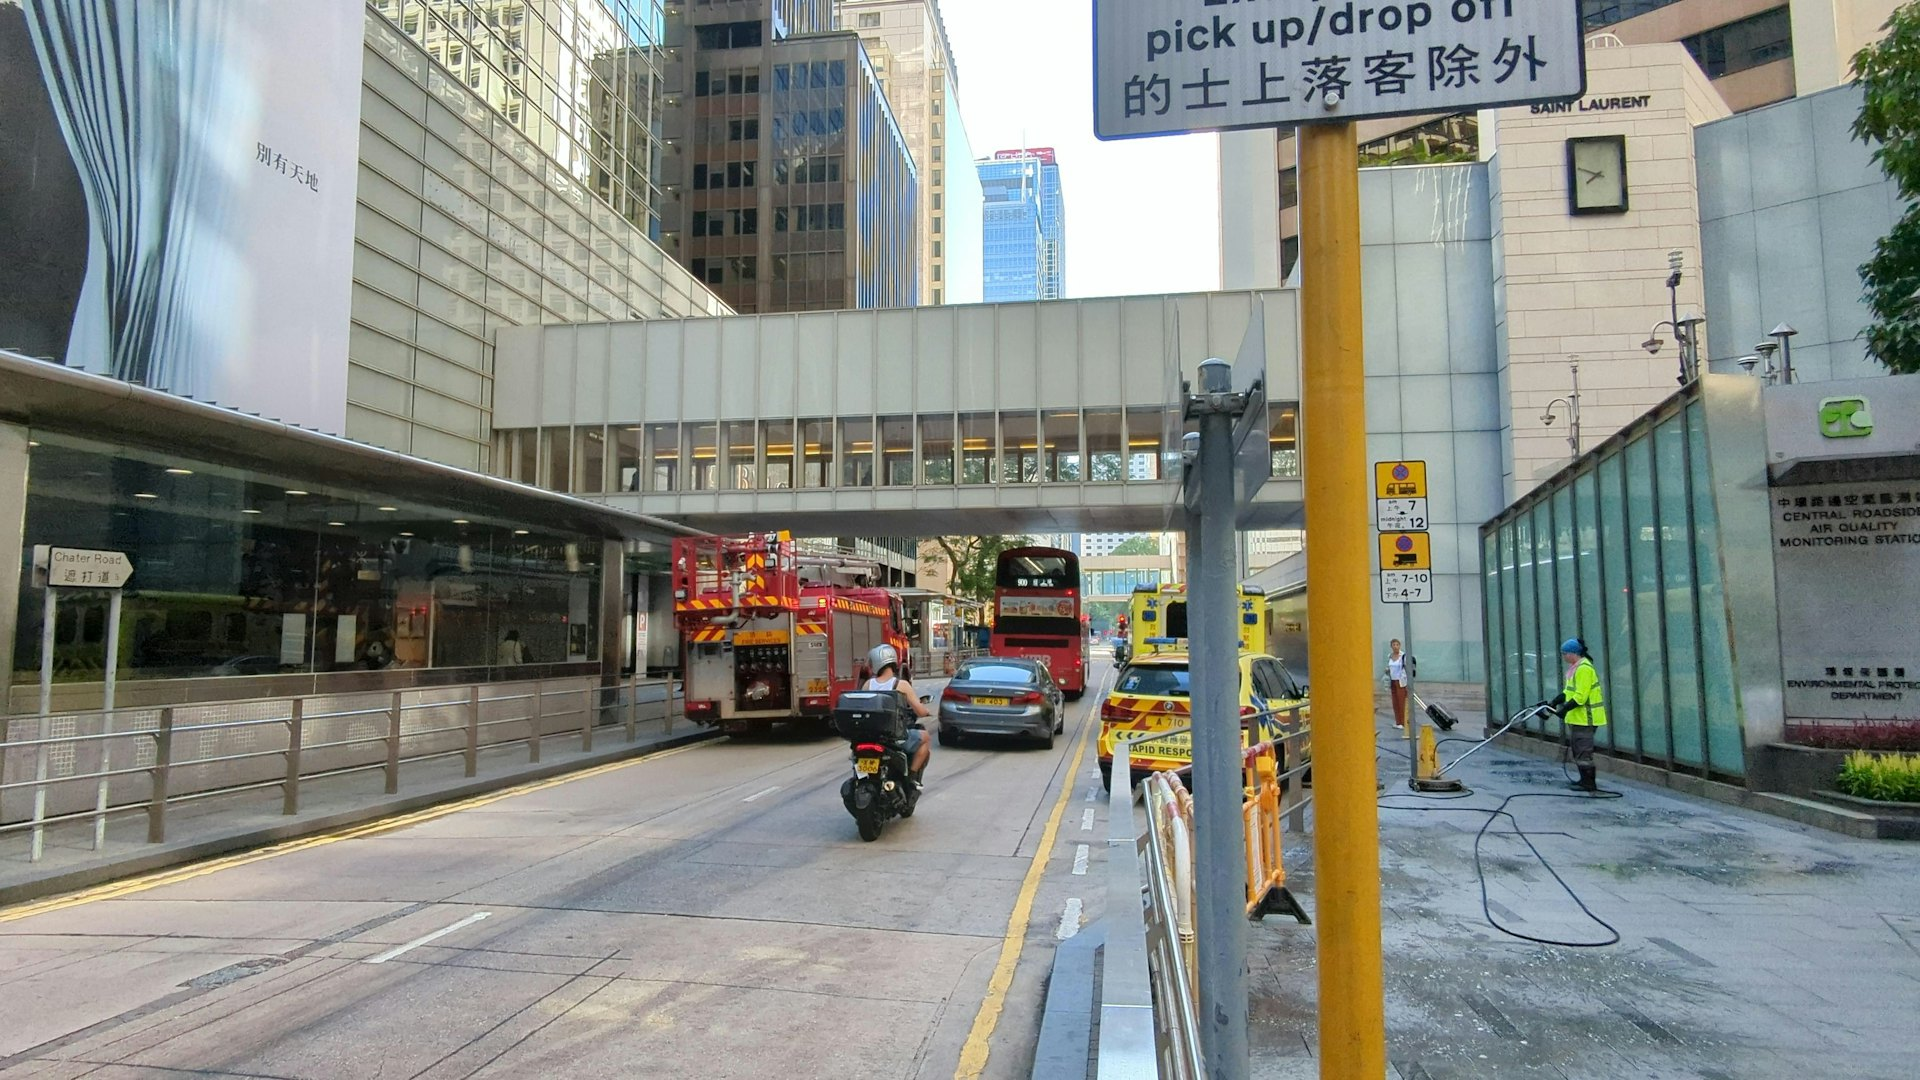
<point x="580" y="78"/>
<point x="1024" y="226"/>
<point x="907" y="42"/>
<point x="791" y="186"/>
<point x="1754" y="52"/>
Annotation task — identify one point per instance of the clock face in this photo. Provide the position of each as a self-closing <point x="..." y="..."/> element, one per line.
<point x="1597" y="175"/>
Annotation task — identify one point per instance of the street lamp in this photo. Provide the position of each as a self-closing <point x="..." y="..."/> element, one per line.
<point x="1784" y="335"/>
<point x="1572" y="402"/>
<point x="1685" y="330"/>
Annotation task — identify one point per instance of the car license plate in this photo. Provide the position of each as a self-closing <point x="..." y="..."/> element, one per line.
<point x="866" y="766"/>
<point x="991" y="701"/>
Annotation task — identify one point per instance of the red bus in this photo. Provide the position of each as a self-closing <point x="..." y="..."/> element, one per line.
<point x="1036" y="613"/>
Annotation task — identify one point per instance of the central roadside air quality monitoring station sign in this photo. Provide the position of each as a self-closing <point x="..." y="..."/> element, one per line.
<point x="1163" y="67"/>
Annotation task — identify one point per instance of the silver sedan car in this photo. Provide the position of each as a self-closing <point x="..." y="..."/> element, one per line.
<point x="997" y="695"/>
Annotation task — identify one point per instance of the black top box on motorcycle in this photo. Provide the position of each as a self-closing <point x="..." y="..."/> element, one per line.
<point x="880" y="715"/>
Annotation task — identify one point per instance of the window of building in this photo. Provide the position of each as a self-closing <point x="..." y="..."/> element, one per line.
<point x="856" y="453"/>
<point x="702" y="84"/>
<point x="1598" y="13"/>
<point x="412" y="23"/>
<point x="1062" y="450"/>
<point x="896" y="449"/>
<point x="1747" y="43"/>
<point x="936" y="271"/>
<point x="743" y="130"/>
<point x="626" y="458"/>
<point x="1289" y="188"/>
<point x="742" y="467"/>
<point x="455" y="55"/>
<point x="744" y="267"/>
<point x="816" y="444"/>
<point x="936" y="450"/>
<point x="1105" y="446"/>
<point x="776" y="444"/>
<point x="733" y="35"/>
<point x="745" y="222"/>
<point x="936" y="296"/>
<point x="936" y="202"/>
<point x="1020" y="441"/>
<point x="977" y="446"/>
<point x="869" y="20"/>
<point x="936" y="226"/>
<point x="936" y="249"/>
<point x="936" y="178"/>
<point x="936" y="153"/>
<point x="779" y="221"/>
<point x="706" y="224"/>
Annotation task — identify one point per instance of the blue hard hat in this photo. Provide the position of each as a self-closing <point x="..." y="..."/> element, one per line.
<point x="1572" y="645"/>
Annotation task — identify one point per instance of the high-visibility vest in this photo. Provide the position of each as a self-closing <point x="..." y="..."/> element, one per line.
<point x="1586" y="704"/>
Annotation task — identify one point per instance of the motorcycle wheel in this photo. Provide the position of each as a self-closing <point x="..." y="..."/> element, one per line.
<point x="869" y="828"/>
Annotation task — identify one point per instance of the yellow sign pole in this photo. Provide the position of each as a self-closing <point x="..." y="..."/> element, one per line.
<point x="1346" y="838"/>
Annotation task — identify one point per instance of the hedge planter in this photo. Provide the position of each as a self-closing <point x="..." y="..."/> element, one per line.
<point x="1892" y="820"/>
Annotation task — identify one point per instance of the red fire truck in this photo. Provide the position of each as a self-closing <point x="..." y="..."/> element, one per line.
<point x="772" y="636"/>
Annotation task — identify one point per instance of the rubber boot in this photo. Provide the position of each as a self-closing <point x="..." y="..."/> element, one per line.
<point x="1587" y="782"/>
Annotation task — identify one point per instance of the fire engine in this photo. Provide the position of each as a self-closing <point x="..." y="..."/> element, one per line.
<point x="771" y="635"/>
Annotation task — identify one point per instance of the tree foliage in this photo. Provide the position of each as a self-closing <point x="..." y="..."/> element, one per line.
<point x="973" y="560"/>
<point x="1889" y="121"/>
<point x="1138" y="545"/>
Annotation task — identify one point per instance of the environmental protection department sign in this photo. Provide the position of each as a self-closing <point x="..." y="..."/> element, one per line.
<point x="1165" y="67"/>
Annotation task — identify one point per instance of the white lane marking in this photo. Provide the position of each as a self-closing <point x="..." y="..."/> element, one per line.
<point x="761" y="794"/>
<point x="1086" y="820"/>
<point x="1080" y="860"/>
<point x="1069" y="920"/>
<point x="419" y="941"/>
<point x="1093" y="794"/>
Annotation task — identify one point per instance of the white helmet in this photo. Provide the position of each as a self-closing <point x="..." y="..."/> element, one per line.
<point x="881" y="657"/>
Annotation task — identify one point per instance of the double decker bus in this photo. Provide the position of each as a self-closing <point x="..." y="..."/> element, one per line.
<point x="1036" y="613"/>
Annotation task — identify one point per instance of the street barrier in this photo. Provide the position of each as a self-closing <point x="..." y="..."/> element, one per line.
<point x="1160" y="870"/>
<point x="84" y="767"/>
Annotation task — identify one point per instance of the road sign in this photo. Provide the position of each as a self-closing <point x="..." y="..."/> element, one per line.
<point x="1400" y="480"/>
<point x="1400" y="515"/>
<point x="82" y="568"/>
<point x="1405" y="551"/>
<point x="1163" y="67"/>
<point x="1406" y="586"/>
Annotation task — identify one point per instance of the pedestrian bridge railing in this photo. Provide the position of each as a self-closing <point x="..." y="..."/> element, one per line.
<point x="77" y="769"/>
<point x="1149" y="992"/>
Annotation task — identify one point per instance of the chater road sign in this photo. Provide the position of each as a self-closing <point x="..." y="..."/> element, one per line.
<point x="83" y="568"/>
<point x="1163" y="67"/>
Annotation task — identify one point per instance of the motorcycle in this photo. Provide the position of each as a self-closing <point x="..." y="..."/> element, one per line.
<point x="882" y="787"/>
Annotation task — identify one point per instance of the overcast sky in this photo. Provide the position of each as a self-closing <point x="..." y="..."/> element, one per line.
<point x="1142" y="215"/>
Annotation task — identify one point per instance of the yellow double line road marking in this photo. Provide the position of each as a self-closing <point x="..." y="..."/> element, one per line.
<point x="160" y="878"/>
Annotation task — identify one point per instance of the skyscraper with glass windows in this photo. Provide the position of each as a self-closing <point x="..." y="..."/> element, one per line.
<point x="1024" y="226"/>
<point x="792" y="187"/>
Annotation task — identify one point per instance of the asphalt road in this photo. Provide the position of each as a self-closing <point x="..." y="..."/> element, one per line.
<point x="709" y="912"/>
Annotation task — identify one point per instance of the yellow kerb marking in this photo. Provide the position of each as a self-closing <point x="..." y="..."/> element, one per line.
<point x="973" y="1056"/>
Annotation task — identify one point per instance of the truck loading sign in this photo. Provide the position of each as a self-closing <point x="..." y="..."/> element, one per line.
<point x="1170" y="66"/>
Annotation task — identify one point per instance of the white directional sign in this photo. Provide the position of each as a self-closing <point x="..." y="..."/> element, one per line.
<point x="83" y="568"/>
<point x="1406" y="586"/>
<point x="1163" y="67"/>
<point x="1400" y="515"/>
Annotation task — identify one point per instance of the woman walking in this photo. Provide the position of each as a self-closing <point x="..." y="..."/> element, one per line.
<point x="1397" y="671"/>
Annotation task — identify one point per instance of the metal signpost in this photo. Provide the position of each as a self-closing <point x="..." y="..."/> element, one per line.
<point x="1163" y="67"/>
<point x="56" y="568"/>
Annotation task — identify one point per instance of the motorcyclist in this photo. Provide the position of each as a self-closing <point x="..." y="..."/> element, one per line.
<point x="884" y="662"/>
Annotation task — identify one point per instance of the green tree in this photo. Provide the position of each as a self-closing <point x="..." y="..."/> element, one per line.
<point x="1889" y="121"/>
<point x="973" y="560"/>
<point x="1138" y="545"/>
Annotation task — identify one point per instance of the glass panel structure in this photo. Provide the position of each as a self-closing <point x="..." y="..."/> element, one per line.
<point x="1529" y="675"/>
<point x="1547" y="636"/>
<point x="250" y="573"/>
<point x="856" y="453"/>
<point x="559" y="455"/>
<point x="1684" y="707"/>
<point x="1511" y="666"/>
<point x="1063" y="448"/>
<point x="1623" y="713"/>
<point x="663" y="457"/>
<point x="1143" y="444"/>
<point x="776" y="442"/>
<point x="896" y="440"/>
<point x="816" y="440"/>
<point x="1106" y="446"/>
<point x="1643" y="554"/>
<point x="590" y="450"/>
<point x="1726" y="748"/>
<point x="702" y="444"/>
<point x="1283" y="438"/>
<point x="936" y="450"/>
<point x="742" y="469"/>
<point x="1493" y="623"/>
<point x="977" y="448"/>
<point x="1020" y="438"/>
<point x="626" y="458"/>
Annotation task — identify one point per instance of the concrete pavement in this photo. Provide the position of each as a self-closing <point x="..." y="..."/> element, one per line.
<point x="1751" y="947"/>
<point x="708" y="912"/>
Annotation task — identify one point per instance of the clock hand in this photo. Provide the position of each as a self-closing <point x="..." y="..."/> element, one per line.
<point x="1593" y="174"/>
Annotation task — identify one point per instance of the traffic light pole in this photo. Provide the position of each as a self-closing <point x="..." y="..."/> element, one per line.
<point x="1346" y="830"/>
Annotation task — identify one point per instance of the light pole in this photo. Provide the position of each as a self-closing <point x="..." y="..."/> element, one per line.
<point x="1784" y="335"/>
<point x="1572" y="402"/>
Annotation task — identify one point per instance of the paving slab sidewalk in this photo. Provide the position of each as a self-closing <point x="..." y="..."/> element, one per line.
<point x="1750" y="947"/>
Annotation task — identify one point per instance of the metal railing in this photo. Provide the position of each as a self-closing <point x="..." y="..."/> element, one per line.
<point x="1151" y="957"/>
<point x="182" y="753"/>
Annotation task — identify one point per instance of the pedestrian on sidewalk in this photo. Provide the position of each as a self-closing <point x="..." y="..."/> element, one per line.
<point x="1399" y="668"/>
<point x="1582" y="707"/>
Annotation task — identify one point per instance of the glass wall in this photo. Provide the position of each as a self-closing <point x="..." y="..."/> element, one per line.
<point x="245" y="573"/>
<point x="1623" y="552"/>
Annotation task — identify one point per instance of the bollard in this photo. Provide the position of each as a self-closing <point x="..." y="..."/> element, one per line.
<point x="394" y="715"/>
<point x="162" y="761"/>
<point x="533" y="737"/>
<point x="296" y="735"/>
<point x="473" y="730"/>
